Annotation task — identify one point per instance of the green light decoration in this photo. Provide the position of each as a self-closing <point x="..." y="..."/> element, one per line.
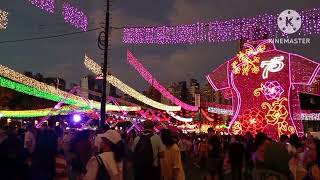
<point x="223" y="126"/>
<point x="78" y="101"/>
<point x="38" y="93"/>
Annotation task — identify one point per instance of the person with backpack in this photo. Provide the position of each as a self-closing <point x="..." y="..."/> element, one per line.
<point x="108" y="165"/>
<point x="147" y="151"/>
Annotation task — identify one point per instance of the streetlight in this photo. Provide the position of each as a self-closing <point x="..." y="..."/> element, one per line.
<point x="103" y="44"/>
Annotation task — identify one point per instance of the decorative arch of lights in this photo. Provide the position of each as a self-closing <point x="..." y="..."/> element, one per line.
<point x="215" y="31"/>
<point x="265" y="84"/>
<point x="65" y="110"/>
<point x="21" y="83"/>
<point x="153" y="82"/>
<point x="96" y="69"/>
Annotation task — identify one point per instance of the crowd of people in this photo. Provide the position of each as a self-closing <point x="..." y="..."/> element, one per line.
<point x="59" y="154"/>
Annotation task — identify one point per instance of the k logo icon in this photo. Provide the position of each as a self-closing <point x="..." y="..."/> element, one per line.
<point x="289" y="21"/>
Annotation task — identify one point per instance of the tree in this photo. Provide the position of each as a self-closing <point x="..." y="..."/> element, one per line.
<point x="28" y="74"/>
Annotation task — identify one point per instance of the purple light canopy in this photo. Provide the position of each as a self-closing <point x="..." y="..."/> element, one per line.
<point x="47" y="5"/>
<point x="74" y="16"/>
<point x="221" y="31"/>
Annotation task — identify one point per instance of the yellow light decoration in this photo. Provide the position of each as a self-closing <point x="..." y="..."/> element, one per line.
<point x="284" y="127"/>
<point x="277" y="112"/>
<point x="277" y="115"/>
<point x="245" y="63"/>
<point x="237" y="128"/>
<point x="96" y="69"/>
<point x="260" y="49"/>
<point x="15" y="76"/>
<point x="3" y="19"/>
<point x="37" y="112"/>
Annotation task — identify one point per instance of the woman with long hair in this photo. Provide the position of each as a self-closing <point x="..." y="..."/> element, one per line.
<point x="46" y="164"/>
<point x="108" y="164"/>
<point x="172" y="165"/>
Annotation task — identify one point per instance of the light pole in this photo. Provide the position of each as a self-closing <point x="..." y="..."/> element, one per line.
<point x="103" y="44"/>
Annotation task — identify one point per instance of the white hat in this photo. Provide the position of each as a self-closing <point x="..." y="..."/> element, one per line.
<point x="112" y="135"/>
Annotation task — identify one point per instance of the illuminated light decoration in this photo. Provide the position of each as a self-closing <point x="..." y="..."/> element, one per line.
<point x="252" y="120"/>
<point x="35" y="88"/>
<point x="306" y="116"/>
<point x="271" y="90"/>
<point x="297" y="74"/>
<point x="37" y="112"/>
<point x="187" y="126"/>
<point x="194" y="33"/>
<point x="153" y="82"/>
<point x="32" y="91"/>
<point x="277" y="112"/>
<point x="277" y="115"/>
<point x="3" y="19"/>
<point x="74" y="16"/>
<point x="96" y="69"/>
<point x="47" y="5"/>
<point x="274" y="65"/>
<point x="221" y="31"/>
<point x="179" y="118"/>
<point x="255" y="51"/>
<point x="220" y="111"/>
<point x="205" y="114"/>
<point x="135" y="94"/>
<point x="245" y="64"/>
<point x="76" y="118"/>
<point x="216" y="105"/>
<point x="57" y="106"/>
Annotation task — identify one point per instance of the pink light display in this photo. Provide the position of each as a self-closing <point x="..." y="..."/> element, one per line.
<point x="47" y="5"/>
<point x="280" y="87"/>
<point x="152" y="81"/>
<point x="74" y="16"/>
<point x="220" y="31"/>
<point x="271" y="90"/>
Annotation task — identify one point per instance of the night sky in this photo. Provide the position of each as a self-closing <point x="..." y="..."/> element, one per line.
<point x="63" y="57"/>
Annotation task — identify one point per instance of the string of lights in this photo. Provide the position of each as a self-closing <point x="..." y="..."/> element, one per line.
<point x="3" y="19"/>
<point x="153" y="82"/>
<point x="74" y="16"/>
<point x="37" y="112"/>
<point x="179" y="118"/>
<point x="47" y="5"/>
<point x="38" y="89"/>
<point x="220" y="31"/>
<point x="96" y="69"/>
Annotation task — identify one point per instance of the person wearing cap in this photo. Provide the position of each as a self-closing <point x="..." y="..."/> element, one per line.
<point x="112" y="154"/>
<point x="158" y="152"/>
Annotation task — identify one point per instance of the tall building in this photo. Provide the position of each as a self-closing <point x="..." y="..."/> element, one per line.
<point x="88" y="84"/>
<point x="207" y="94"/>
<point x="194" y="89"/>
<point x="113" y="91"/>
<point x="173" y="89"/>
<point x="182" y="91"/>
<point x="152" y="93"/>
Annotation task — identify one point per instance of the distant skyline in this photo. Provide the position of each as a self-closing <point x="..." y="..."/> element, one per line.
<point x="63" y="57"/>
